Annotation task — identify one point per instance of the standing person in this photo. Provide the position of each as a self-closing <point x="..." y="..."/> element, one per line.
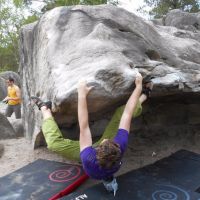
<point x="13" y="99"/>
<point x="103" y="161"/>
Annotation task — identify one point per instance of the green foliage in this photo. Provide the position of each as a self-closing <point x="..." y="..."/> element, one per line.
<point x="30" y="19"/>
<point x="50" y="4"/>
<point x="161" y="7"/>
<point x="7" y="60"/>
<point x="94" y="2"/>
<point x="12" y="18"/>
<point x="18" y="3"/>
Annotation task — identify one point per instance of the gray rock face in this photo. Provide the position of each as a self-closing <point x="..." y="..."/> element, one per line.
<point x="183" y="20"/>
<point x="3" y="90"/>
<point x="175" y="117"/>
<point x="17" y="126"/>
<point x="106" y="46"/>
<point x="6" y="129"/>
<point x="159" y="22"/>
<point x="187" y="24"/>
<point x="1" y="150"/>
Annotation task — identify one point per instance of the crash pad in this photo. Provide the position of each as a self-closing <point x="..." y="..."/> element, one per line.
<point x="176" y="177"/>
<point x="41" y="180"/>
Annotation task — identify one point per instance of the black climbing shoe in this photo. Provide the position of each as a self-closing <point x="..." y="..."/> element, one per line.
<point x="39" y="103"/>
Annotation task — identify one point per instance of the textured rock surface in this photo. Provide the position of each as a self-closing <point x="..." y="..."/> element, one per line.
<point x="172" y="116"/>
<point x="3" y="91"/>
<point x="6" y="129"/>
<point x="183" y="20"/>
<point x="17" y="126"/>
<point x="106" y="46"/>
<point x="1" y="150"/>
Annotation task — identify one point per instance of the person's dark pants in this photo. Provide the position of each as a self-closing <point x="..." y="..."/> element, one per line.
<point x="13" y="109"/>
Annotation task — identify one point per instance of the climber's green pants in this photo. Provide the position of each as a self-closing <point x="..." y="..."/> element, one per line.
<point x="70" y="148"/>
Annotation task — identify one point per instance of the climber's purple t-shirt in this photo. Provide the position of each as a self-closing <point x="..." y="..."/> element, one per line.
<point x="90" y="163"/>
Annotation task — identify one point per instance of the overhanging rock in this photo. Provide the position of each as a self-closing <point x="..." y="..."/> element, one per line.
<point x="106" y="46"/>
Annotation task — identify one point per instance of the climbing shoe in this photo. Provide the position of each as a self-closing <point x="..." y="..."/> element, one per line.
<point x="39" y="103"/>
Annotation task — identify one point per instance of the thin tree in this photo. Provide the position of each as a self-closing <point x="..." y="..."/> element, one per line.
<point x="161" y="7"/>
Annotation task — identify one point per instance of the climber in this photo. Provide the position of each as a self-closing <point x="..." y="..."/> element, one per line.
<point x="70" y="148"/>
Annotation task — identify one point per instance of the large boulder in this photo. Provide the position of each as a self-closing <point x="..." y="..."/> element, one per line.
<point x="106" y="46"/>
<point x="17" y="126"/>
<point x="1" y="150"/>
<point x="3" y="89"/>
<point x="187" y="24"/>
<point x="183" y="20"/>
<point x="6" y="129"/>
